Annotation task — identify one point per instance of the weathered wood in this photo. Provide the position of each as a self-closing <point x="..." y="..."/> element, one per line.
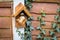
<point x="19" y="8"/>
<point x="7" y="38"/>
<point x="46" y="26"/>
<point x="6" y="4"/>
<point x="47" y="7"/>
<point x="6" y="0"/>
<point x="51" y="1"/>
<point x="5" y="33"/>
<point x="35" y="38"/>
<point x="36" y="32"/>
<point x="36" y="23"/>
<point x="50" y="17"/>
<point x="50" y="7"/>
<point x="5" y="12"/>
<point x="5" y="22"/>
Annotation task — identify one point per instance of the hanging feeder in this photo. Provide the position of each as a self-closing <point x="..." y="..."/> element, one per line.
<point x="21" y="15"/>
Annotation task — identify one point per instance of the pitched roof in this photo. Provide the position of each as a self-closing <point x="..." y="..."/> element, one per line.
<point x="19" y="8"/>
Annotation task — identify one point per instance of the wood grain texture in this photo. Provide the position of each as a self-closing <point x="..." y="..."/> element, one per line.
<point x="8" y="38"/>
<point x="51" y="11"/>
<point x="36" y="32"/>
<point x="5" y="33"/>
<point x="50" y="17"/>
<point x="19" y="8"/>
<point x="5" y="0"/>
<point x="6" y="4"/>
<point x="54" y="1"/>
<point x="5" y="22"/>
<point x="34" y="38"/>
<point x="47" y="7"/>
<point x="5" y="11"/>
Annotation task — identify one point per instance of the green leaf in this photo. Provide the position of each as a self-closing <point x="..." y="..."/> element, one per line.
<point x="56" y="17"/>
<point x="19" y="33"/>
<point x="43" y="14"/>
<point x="28" y="4"/>
<point x="46" y="38"/>
<point x="39" y="28"/>
<point x="31" y="18"/>
<point x="31" y="28"/>
<point x="39" y="18"/>
<point x="57" y="29"/>
<point x="58" y="20"/>
<point x="39" y="36"/>
<point x="25" y="32"/>
<point x="58" y="10"/>
<point x="26" y="29"/>
<point x="43" y="32"/>
<point x="54" y="25"/>
<point x="42" y="22"/>
<point x="28" y="33"/>
<point x="51" y="33"/>
<point x="28" y="23"/>
<point x="54" y="38"/>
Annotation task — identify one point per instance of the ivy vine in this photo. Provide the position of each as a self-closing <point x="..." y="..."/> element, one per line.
<point x="28" y="4"/>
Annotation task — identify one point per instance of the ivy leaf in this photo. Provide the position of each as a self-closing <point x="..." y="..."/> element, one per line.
<point x="43" y="14"/>
<point x="39" y="36"/>
<point x="28" y="4"/>
<point x="43" y="32"/>
<point x="19" y="33"/>
<point x="42" y="22"/>
<point x="39" y="28"/>
<point x="51" y="33"/>
<point x="58" y="20"/>
<point x="28" y="33"/>
<point x="58" y="10"/>
<point x="31" y="28"/>
<point x="25" y="32"/>
<point x="54" y="38"/>
<point x="57" y="29"/>
<point x="28" y="23"/>
<point x="26" y="29"/>
<point x="54" y="25"/>
<point x="45" y="38"/>
<point x="39" y="18"/>
<point x="30" y="18"/>
<point x="56" y="17"/>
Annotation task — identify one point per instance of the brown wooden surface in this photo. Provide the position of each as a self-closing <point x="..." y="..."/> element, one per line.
<point x="50" y="10"/>
<point x="54" y="1"/>
<point x="6" y="21"/>
<point x="6" y="4"/>
<point x="5" y="11"/>
<point x="5" y="33"/>
<point x="6" y="38"/>
<point x="19" y="8"/>
<point x="34" y="38"/>
<point x="5" y="0"/>
<point x="50" y="17"/>
<point x="47" y="7"/>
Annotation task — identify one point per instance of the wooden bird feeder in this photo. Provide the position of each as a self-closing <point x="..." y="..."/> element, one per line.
<point x="21" y="15"/>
